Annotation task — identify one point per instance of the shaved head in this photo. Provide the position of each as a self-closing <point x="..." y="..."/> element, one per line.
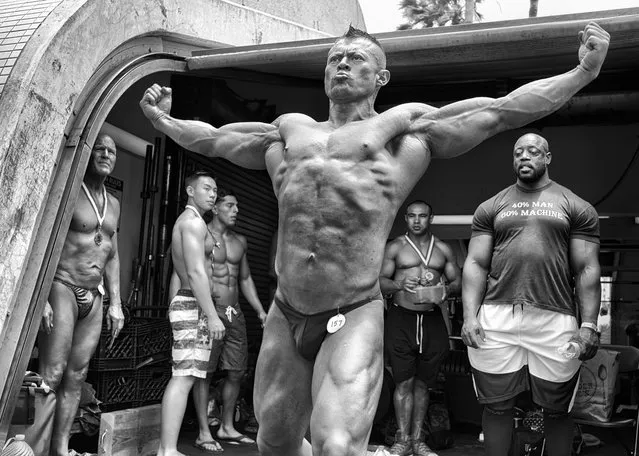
<point x="420" y="203"/>
<point x="533" y="138"/>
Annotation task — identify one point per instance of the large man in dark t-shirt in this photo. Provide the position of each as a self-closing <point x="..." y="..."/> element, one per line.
<point x="532" y="244"/>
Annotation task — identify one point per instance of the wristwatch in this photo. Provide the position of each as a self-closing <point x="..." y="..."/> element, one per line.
<point x="593" y="326"/>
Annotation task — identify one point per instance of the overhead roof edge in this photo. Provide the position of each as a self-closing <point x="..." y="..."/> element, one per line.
<point x="432" y="38"/>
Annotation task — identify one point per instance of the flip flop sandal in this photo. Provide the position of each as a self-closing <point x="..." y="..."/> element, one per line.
<point x="239" y="440"/>
<point x="209" y="446"/>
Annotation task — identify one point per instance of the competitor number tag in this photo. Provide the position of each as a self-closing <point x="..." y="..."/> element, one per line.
<point x="335" y="323"/>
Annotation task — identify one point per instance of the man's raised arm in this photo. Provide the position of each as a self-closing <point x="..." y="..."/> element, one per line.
<point x="456" y="128"/>
<point x="242" y="143"/>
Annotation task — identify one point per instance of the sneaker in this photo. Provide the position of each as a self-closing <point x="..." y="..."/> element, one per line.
<point x="401" y="447"/>
<point x="421" y="449"/>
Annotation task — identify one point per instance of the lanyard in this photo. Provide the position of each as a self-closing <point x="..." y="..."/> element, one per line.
<point x="95" y="207"/>
<point x="421" y="256"/>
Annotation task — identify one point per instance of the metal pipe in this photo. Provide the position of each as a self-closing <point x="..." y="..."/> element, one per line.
<point x="160" y="279"/>
<point x="150" y="239"/>
<point x="138" y="266"/>
<point x="148" y="267"/>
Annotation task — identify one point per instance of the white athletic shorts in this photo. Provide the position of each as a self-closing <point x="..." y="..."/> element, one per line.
<point x="521" y="342"/>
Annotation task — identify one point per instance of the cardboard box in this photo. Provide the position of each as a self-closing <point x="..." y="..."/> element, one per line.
<point x="130" y="432"/>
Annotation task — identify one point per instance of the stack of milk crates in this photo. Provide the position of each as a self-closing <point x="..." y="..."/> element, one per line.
<point x="133" y="370"/>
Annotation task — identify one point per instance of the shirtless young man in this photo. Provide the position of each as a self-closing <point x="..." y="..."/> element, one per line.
<point x="231" y="273"/>
<point x="72" y="319"/>
<point x="339" y="184"/>
<point x="192" y="314"/>
<point x="416" y="329"/>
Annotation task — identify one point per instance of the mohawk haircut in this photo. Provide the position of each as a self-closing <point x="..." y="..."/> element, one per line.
<point x="353" y="33"/>
<point x="192" y="178"/>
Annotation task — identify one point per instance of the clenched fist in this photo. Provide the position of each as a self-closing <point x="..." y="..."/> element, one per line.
<point x="594" y="42"/>
<point x="156" y="102"/>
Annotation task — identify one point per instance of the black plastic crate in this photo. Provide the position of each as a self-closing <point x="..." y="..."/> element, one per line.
<point x="140" y="339"/>
<point x="153" y="337"/>
<point x="114" y="387"/>
<point x="121" y="355"/>
<point x="152" y="382"/>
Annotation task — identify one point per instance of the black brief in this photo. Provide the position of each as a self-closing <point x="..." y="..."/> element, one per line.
<point x="309" y="331"/>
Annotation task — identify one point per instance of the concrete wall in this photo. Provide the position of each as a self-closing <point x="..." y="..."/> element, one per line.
<point x="331" y="16"/>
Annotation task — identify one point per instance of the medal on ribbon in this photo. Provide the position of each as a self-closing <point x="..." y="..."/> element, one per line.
<point x="98" y="235"/>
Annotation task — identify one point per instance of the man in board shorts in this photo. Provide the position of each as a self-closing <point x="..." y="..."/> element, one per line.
<point x="194" y="321"/>
<point x="230" y="274"/>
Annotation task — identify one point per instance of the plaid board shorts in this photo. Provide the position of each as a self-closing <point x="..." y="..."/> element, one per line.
<point x="191" y="338"/>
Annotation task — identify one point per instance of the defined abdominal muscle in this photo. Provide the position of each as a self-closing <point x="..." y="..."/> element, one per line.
<point x="329" y="267"/>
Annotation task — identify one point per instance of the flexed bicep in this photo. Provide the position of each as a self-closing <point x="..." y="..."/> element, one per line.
<point x="243" y="143"/>
<point x="457" y="128"/>
<point x="453" y="129"/>
<point x="246" y="143"/>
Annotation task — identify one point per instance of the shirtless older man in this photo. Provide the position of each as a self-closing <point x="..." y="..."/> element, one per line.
<point x="72" y="319"/>
<point x="339" y="184"/>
